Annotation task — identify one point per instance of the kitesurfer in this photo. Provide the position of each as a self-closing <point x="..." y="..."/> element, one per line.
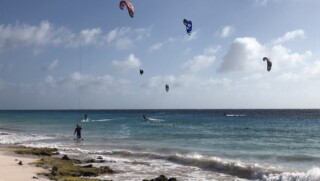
<point x="144" y="117"/>
<point x="78" y="131"/>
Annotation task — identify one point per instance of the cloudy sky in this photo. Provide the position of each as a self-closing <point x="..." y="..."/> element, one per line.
<point x="87" y="54"/>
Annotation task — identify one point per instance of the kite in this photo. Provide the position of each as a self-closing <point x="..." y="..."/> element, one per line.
<point x="188" y="25"/>
<point x="129" y="6"/>
<point x="167" y="87"/>
<point x="269" y="63"/>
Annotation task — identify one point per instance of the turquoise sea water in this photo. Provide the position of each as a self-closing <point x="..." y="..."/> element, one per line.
<point x="187" y="144"/>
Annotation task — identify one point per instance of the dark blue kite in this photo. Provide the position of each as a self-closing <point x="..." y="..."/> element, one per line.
<point x="188" y="25"/>
<point x="269" y="63"/>
<point x="167" y="87"/>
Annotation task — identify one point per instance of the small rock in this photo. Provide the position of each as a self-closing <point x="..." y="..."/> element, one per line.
<point x="89" y="174"/>
<point x="172" y="179"/>
<point x="100" y="157"/>
<point x="34" y="177"/>
<point x="87" y="166"/>
<point x="54" y="170"/>
<point x="106" y="169"/>
<point x="89" y="161"/>
<point x="160" y="178"/>
<point x="20" y="163"/>
<point x="65" y="157"/>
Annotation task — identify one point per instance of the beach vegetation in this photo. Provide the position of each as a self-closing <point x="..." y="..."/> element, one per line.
<point x="64" y="168"/>
<point x="70" y="170"/>
<point x="36" y="151"/>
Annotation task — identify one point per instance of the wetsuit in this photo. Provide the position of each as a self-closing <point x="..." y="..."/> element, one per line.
<point x="78" y="131"/>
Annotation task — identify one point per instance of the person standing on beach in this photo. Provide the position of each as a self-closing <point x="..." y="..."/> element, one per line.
<point x="78" y="131"/>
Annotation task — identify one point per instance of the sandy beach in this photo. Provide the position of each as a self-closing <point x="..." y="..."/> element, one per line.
<point x="10" y="170"/>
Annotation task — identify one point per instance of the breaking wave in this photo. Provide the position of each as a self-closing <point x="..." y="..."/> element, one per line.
<point x="18" y="138"/>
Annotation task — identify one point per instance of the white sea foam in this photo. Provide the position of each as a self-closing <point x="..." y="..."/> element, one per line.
<point x="311" y="175"/>
<point x="126" y="158"/>
<point x="19" y="138"/>
<point x="139" y="169"/>
<point x="95" y="120"/>
<point x="235" y="115"/>
<point x="154" y="120"/>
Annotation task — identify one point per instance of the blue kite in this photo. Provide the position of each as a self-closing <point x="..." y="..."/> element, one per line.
<point x="188" y="25"/>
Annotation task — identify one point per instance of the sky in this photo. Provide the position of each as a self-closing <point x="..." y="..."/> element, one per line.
<point x="81" y="54"/>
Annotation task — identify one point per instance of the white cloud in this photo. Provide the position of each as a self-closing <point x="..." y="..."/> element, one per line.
<point x="159" y="45"/>
<point x="76" y="82"/>
<point x="260" y="3"/>
<point x="123" y="43"/>
<point x="215" y="82"/>
<point x="12" y="36"/>
<point x="285" y="58"/>
<point x="131" y="62"/>
<point x="255" y="76"/>
<point x="225" y="31"/>
<point x="201" y="62"/>
<point x="244" y="53"/>
<point x="288" y="76"/>
<point x="141" y="33"/>
<point x="185" y="84"/>
<point x="89" y="36"/>
<point x="88" y="89"/>
<point x="160" y="81"/>
<point x="112" y="35"/>
<point x="72" y="80"/>
<point x="155" y="47"/>
<point x="123" y="38"/>
<point x="193" y="36"/>
<point x="49" y="79"/>
<point x="52" y="65"/>
<point x="116" y="33"/>
<point x="299" y="33"/>
<point x="311" y="71"/>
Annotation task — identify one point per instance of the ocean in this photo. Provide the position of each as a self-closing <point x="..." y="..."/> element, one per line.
<point x="268" y="145"/>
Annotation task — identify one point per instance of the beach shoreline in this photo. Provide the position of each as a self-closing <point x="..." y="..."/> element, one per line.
<point x="19" y="164"/>
<point x="10" y="170"/>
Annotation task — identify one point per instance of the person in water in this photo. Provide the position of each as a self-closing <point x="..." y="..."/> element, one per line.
<point x="85" y="117"/>
<point x="78" y="131"/>
<point x="144" y="117"/>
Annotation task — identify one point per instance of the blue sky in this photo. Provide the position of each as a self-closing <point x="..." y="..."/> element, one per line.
<point x="87" y="54"/>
